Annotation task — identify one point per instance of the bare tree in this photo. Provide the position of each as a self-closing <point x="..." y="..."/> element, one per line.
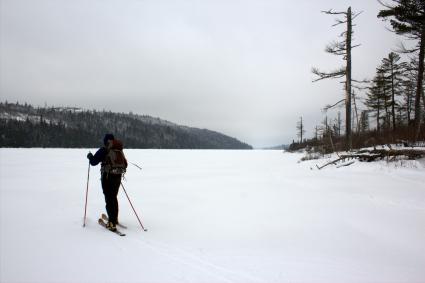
<point x="356" y="112"/>
<point x="325" y="127"/>
<point x="300" y="129"/>
<point x="342" y="48"/>
<point x="316" y="133"/>
<point x="337" y="125"/>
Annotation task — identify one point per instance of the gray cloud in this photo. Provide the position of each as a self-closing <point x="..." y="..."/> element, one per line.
<point x="239" y="67"/>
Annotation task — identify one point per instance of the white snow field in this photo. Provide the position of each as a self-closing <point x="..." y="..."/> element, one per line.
<point x="213" y="216"/>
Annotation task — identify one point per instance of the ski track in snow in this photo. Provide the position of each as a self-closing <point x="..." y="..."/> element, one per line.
<point x="193" y="261"/>
<point x="213" y="216"/>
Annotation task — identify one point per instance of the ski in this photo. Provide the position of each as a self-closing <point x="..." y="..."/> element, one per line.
<point x="103" y="224"/>
<point x="105" y="218"/>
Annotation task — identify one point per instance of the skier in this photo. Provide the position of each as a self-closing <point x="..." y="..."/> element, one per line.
<point x="113" y="165"/>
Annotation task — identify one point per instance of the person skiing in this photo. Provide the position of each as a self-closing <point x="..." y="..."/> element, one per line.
<point x="113" y="165"/>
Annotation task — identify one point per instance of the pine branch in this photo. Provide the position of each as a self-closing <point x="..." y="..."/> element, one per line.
<point x="355" y="15"/>
<point x="336" y="48"/>
<point x="402" y="49"/>
<point x="330" y="12"/>
<point x="384" y="4"/>
<point x="328" y="75"/>
<point x="339" y="22"/>
<point x="327" y="107"/>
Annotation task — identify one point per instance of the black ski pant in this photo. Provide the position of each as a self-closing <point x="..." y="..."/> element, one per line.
<point x="110" y="186"/>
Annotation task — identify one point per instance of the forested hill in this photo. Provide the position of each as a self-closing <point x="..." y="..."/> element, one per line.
<point x="27" y="126"/>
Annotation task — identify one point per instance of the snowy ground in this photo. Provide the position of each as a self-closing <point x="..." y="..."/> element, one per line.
<point x="213" y="216"/>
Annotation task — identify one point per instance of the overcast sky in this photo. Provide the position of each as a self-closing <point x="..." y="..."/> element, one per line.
<point x="241" y="67"/>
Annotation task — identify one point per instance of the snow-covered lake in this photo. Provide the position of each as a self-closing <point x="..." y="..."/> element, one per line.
<point x="213" y="216"/>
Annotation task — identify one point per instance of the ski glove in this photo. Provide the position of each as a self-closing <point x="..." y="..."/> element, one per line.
<point x="90" y="155"/>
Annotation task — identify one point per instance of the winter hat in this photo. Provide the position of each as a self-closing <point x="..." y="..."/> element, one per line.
<point x="107" y="138"/>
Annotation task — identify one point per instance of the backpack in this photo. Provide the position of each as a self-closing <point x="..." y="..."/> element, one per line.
<point x="115" y="161"/>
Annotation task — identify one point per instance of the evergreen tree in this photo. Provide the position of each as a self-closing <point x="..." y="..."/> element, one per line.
<point x="392" y="71"/>
<point x="407" y="18"/>
<point x="409" y="89"/>
<point x="65" y="127"/>
<point x="364" y="121"/>
<point x="375" y="100"/>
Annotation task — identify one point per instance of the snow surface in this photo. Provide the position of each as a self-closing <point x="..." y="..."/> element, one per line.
<point x="213" y="216"/>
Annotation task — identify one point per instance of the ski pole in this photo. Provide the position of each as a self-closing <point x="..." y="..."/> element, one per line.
<point x="133" y="208"/>
<point x="87" y="194"/>
<point x="140" y="168"/>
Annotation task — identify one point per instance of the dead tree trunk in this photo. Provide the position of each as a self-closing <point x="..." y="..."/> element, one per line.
<point x="348" y="139"/>
<point x="342" y="48"/>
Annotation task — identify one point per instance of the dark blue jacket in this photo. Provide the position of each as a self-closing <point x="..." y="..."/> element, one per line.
<point x="101" y="153"/>
<point x="99" y="156"/>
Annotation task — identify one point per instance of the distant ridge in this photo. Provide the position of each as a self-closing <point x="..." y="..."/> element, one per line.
<point x="23" y="125"/>
<point x="277" y="147"/>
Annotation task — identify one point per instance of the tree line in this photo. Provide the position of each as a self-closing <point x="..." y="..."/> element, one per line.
<point x="387" y="108"/>
<point x="22" y="125"/>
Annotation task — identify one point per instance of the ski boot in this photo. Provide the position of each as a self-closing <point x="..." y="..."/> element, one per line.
<point x="111" y="226"/>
